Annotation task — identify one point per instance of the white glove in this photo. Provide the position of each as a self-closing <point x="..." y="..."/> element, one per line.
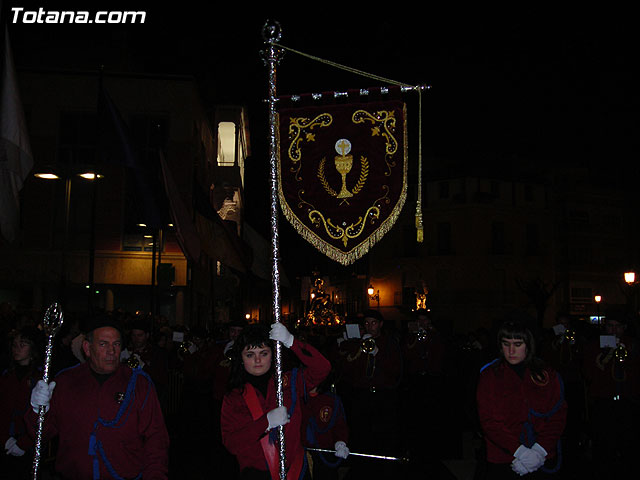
<point x="518" y="467"/>
<point x="541" y="452"/>
<point x="341" y="449"/>
<point x="280" y="333"/>
<point x="532" y="458"/>
<point x="124" y="355"/>
<point x="12" y="448"/>
<point x="278" y="416"/>
<point x="228" y="346"/>
<point x="41" y="395"/>
<point x="341" y="339"/>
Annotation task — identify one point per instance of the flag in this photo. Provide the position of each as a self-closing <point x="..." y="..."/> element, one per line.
<point x="185" y="230"/>
<point x="116" y="146"/>
<point x="342" y="169"/>
<point x="16" y="160"/>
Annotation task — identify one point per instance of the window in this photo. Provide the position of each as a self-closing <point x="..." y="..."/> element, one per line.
<point x="226" y="144"/>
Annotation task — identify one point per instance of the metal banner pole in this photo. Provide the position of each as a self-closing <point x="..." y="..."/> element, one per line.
<point x="51" y="324"/>
<point x="367" y="455"/>
<point x="271" y="33"/>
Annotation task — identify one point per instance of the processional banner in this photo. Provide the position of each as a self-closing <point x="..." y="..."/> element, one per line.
<point x="342" y="167"/>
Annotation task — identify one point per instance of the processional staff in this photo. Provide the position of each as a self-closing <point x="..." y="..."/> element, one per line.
<point x="271" y="33"/>
<point x="367" y="455"/>
<point x="51" y="324"/>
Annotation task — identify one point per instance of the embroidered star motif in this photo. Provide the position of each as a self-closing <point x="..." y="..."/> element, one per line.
<point x="375" y="132"/>
<point x="311" y="137"/>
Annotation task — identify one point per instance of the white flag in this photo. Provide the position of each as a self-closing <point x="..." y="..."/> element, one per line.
<point x="16" y="160"/>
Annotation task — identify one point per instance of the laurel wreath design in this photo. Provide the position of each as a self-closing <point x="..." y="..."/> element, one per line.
<point x="323" y="178"/>
<point x="362" y="179"/>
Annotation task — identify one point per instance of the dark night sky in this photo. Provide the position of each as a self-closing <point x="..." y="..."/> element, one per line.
<point x="525" y="81"/>
<point x="506" y="84"/>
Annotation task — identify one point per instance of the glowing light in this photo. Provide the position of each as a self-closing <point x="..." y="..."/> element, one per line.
<point x="47" y="176"/>
<point x="90" y="175"/>
<point x="630" y="277"/>
<point x="598" y="298"/>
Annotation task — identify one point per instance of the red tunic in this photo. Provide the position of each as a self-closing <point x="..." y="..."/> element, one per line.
<point x="139" y="443"/>
<point x="323" y="412"/>
<point x="241" y="434"/>
<point x="14" y="402"/>
<point x="504" y="401"/>
<point x="365" y="371"/>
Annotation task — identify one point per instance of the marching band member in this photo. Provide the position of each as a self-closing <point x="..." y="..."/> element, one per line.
<point x="249" y="413"/>
<point x="613" y="380"/>
<point x="16" y="384"/>
<point x="521" y="407"/>
<point x="106" y="415"/>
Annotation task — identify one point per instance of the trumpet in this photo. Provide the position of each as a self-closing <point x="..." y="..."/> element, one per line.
<point x="621" y="353"/>
<point x="368" y="345"/>
<point x="184" y="347"/>
<point x="570" y="336"/>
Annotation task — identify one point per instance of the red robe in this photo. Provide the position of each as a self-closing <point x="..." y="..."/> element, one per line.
<point x="323" y="412"/>
<point x="504" y="401"/>
<point x="14" y="402"/>
<point x="139" y="443"/>
<point x="241" y="434"/>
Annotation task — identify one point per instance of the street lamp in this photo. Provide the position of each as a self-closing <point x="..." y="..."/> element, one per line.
<point x="374" y="296"/>
<point x="630" y="277"/>
<point x="598" y="299"/>
<point x="50" y="173"/>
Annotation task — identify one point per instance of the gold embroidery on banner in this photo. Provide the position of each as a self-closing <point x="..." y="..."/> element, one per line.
<point x="349" y="232"/>
<point x="299" y="129"/>
<point x="367" y="243"/>
<point x="386" y="120"/>
<point x="364" y="173"/>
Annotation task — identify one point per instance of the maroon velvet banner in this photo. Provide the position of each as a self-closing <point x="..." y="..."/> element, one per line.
<point x="342" y="172"/>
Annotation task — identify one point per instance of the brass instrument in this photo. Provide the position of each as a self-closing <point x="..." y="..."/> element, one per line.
<point x="184" y="347"/>
<point x="368" y="345"/>
<point x="570" y="336"/>
<point x="621" y="353"/>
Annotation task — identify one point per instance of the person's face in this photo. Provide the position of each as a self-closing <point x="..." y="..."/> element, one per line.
<point x="21" y="351"/>
<point x="514" y="350"/>
<point x="614" y="327"/>
<point x="139" y="338"/>
<point x="234" y="332"/>
<point x="372" y="326"/>
<point x="103" y="353"/>
<point x="257" y="360"/>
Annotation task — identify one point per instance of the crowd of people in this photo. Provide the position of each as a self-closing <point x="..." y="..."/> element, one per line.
<point x="132" y="397"/>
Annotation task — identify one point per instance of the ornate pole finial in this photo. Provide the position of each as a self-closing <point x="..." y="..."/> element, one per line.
<point x="271" y="31"/>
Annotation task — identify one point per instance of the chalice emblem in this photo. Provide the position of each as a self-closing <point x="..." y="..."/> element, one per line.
<point x="343" y="162"/>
